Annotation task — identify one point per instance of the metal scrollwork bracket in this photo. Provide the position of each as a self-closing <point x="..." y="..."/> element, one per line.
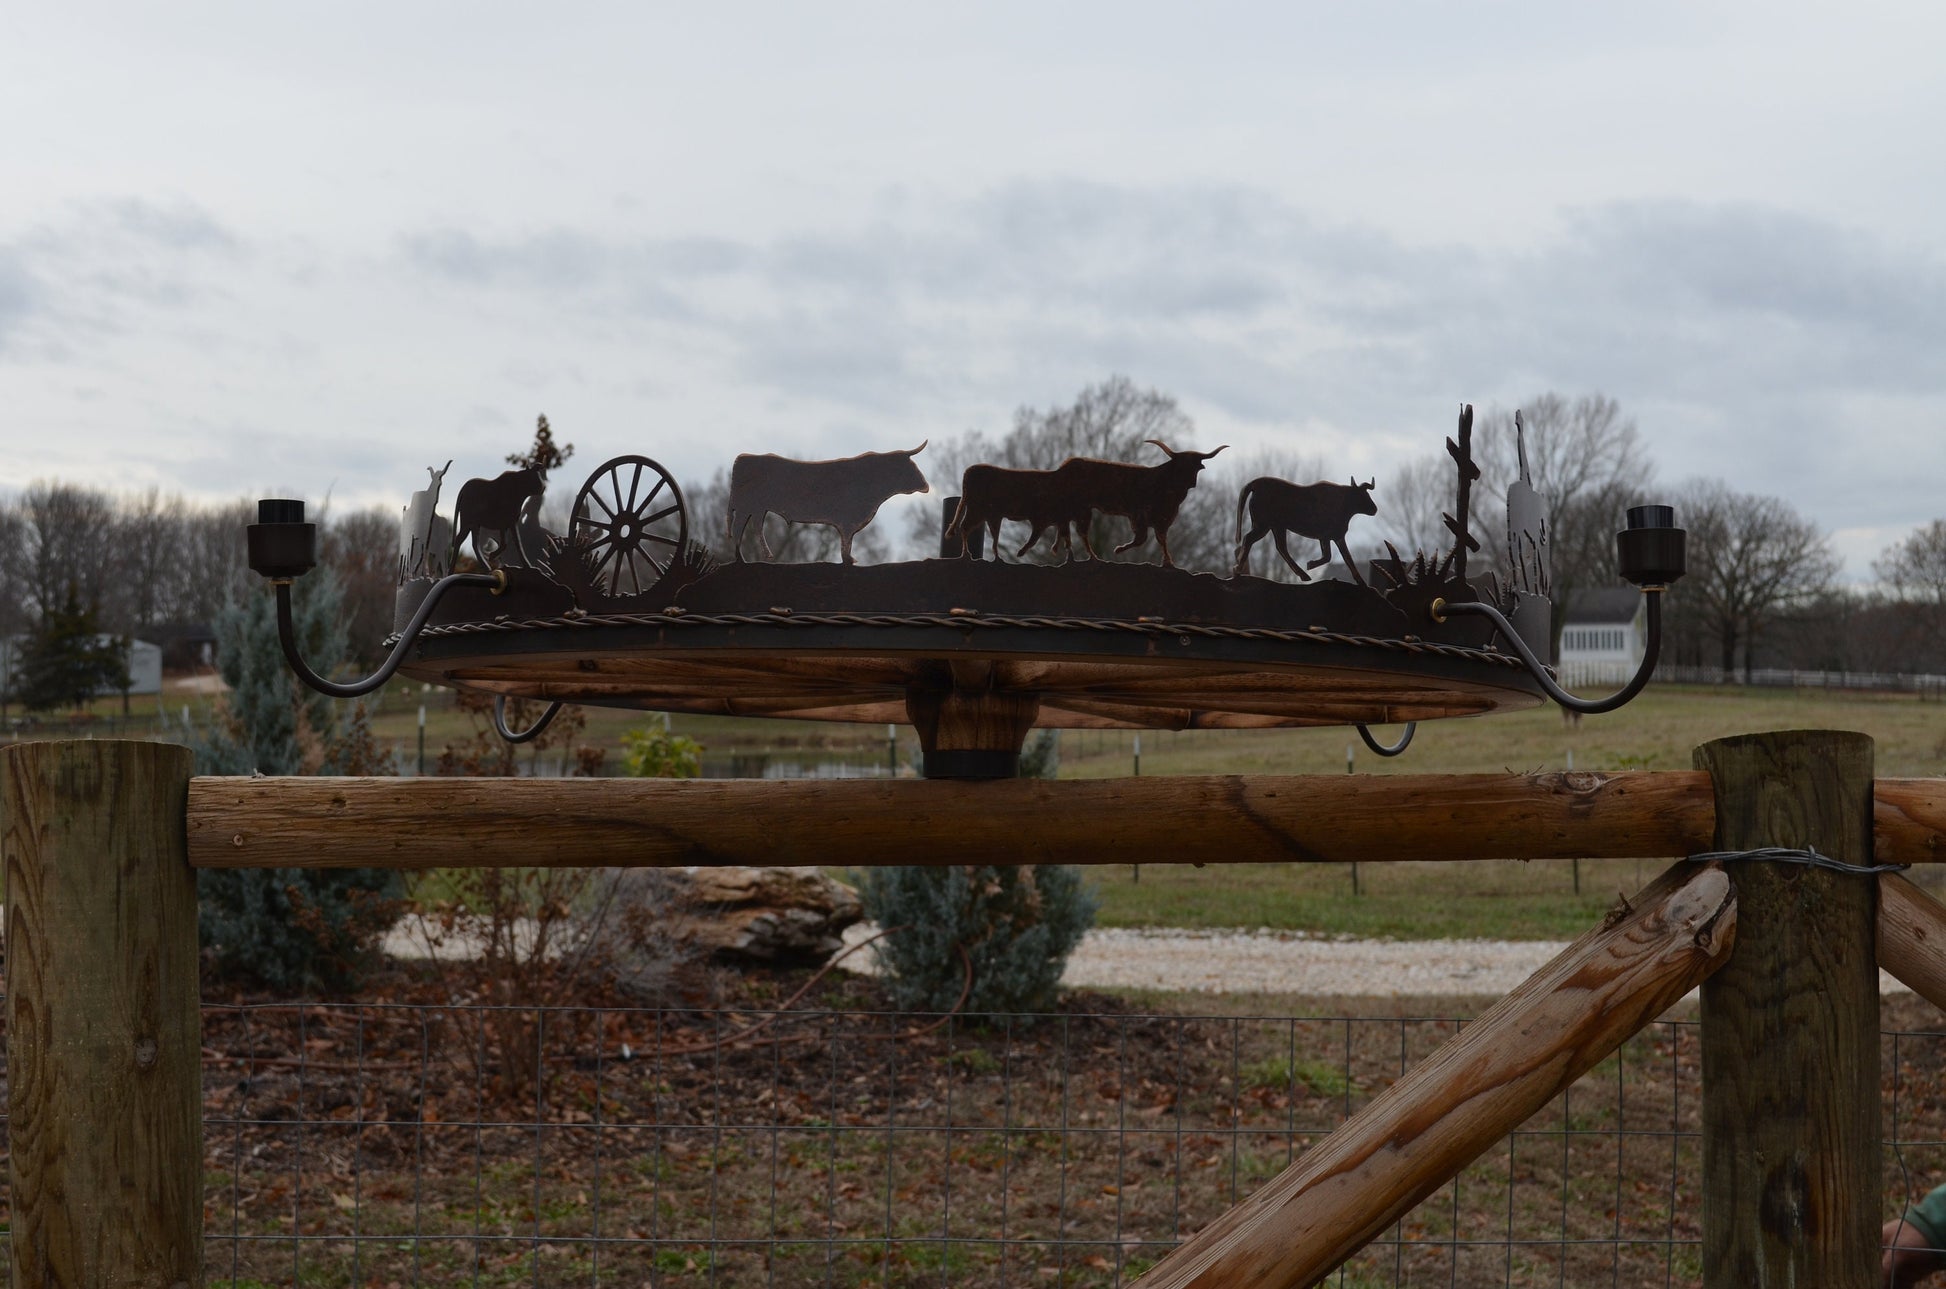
<point x="1650" y="553"/>
<point x="283" y="547"/>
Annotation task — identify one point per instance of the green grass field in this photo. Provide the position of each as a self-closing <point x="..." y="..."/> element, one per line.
<point x="1507" y="900"/>
<point x="1655" y="732"/>
<point x="1403" y="901"/>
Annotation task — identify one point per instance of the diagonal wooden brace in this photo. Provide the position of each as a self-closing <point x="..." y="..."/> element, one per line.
<point x="1472" y="1092"/>
<point x="1912" y="937"/>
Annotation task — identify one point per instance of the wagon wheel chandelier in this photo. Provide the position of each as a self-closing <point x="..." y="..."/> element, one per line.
<point x="990" y="638"/>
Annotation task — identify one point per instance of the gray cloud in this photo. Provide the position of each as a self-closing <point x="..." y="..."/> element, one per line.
<point x="18" y="293"/>
<point x="1709" y="303"/>
<point x="1712" y="322"/>
<point x="178" y="226"/>
<point x="92" y="271"/>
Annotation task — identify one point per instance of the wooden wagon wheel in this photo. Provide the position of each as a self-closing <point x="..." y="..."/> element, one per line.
<point x="630" y="519"/>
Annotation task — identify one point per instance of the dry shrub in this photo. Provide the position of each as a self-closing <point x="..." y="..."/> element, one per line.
<point x="511" y="942"/>
<point x="486" y="753"/>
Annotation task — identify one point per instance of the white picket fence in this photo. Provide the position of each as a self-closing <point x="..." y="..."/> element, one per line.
<point x="1781" y="678"/>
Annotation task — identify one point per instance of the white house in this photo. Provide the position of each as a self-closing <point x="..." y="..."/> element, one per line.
<point x="144" y="668"/>
<point x="1604" y="636"/>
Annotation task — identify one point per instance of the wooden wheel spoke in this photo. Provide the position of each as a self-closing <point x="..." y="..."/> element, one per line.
<point x="615" y="482"/>
<point x="664" y="513"/>
<point x="658" y="537"/>
<point x="654" y="492"/>
<point x="634" y="485"/>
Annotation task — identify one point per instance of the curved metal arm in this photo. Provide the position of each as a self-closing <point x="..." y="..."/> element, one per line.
<point x="527" y="735"/>
<point x="287" y="635"/>
<point x="1405" y="740"/>
<point x="1589" y="706"/>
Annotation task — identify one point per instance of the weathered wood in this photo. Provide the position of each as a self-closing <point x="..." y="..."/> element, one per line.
<point x="1912" y="937"/>
<point x="1790" y="1024"/>
<point x="1909" y="821"/>
<point x="103" y="1030"/>
<point x="430" y="823"/>
<point x="1484" y="1083"/>
<point x="971" y="730"/>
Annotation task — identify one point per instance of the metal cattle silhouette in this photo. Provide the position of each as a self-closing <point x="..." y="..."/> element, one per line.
<point x="992" y="494"/>
<point x="497" y="506"/>
<point x="1318" y="511"/>
<point x="843" y="494"/>
<point x="1148" y="496"/>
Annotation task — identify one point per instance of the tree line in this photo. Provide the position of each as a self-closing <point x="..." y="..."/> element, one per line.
<point x="1762" y="590"/>
<point x="148" y="565"/>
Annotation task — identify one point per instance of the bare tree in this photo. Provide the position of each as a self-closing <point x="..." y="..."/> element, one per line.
<point x="214" y="567"/>
<point x="15" y="615"/>
<point x="147" y="541"/>
<point x="1410" y="505"/>
<point x="1587" y="459"/>
<point x="363" y="548"/>
<point x="1914" y="572"/>
<point x="1751" y="558"/>
<point x="69" y="541"/>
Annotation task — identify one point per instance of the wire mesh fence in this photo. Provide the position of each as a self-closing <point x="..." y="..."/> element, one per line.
<point x="368" y="1144"/>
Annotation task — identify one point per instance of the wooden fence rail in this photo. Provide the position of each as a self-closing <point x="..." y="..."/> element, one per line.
<point x="448" y="823"/>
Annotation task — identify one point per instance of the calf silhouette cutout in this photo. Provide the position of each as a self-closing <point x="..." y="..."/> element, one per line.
<point x="1318" y="511"/>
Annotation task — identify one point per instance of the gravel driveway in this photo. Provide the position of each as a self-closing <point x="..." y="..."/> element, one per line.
<point x="1292" y="962"/>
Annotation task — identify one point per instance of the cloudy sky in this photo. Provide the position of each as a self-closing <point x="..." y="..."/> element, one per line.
<point x="257" y="249"/>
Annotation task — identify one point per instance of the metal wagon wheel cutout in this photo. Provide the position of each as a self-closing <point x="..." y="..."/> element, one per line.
<point x="629" y="518"/>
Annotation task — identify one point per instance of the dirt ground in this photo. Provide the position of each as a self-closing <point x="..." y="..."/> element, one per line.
<point x="378" y="1144"/>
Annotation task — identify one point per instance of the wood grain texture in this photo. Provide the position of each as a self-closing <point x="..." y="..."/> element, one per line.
<point x="1912" y="937"/>
<point x="1790" y="1024"/>
<point x="104" y="1035"/>
<point x="1484" y="1083"/>
<point x="971" y="720"/>
<point x="430" y="823"/>
<point x="1909" y="821"/>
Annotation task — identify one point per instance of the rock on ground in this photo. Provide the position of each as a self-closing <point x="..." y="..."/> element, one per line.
<point x="767" y="914"/>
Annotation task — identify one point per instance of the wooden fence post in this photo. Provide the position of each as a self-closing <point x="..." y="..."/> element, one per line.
<point x="103" y="1028"/>
<point x="1791" y="1156"/>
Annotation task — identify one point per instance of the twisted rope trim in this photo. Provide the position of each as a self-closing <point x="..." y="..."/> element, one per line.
<point x="964" y="621"/>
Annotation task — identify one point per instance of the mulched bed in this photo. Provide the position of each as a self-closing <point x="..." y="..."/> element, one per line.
<point x="390" y="1139"/>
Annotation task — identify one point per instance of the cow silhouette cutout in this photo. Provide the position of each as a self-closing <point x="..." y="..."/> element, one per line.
<point x="993" y="494"/>
<point x="1148" y="496"/>
<point x="1320" y="512"/>
<point x="843" y="494"/>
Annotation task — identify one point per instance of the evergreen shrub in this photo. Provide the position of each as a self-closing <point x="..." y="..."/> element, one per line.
<point x="298" y="928"/>
<point x="67" y="661"/>
<point x="1017" y="925"/>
